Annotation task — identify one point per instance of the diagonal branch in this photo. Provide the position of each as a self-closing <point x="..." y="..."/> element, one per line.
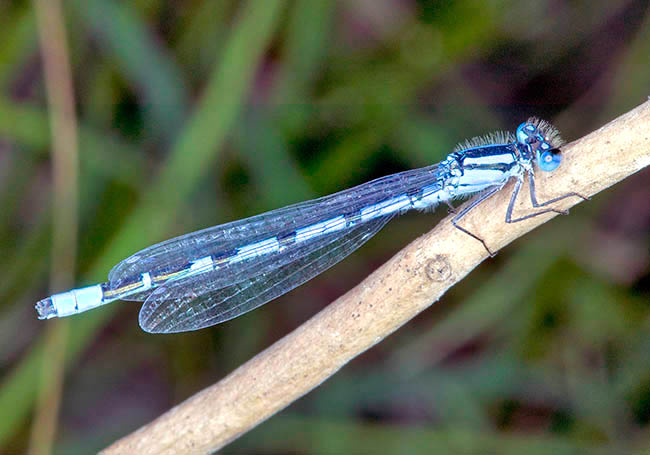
<point x="407" y="284"/>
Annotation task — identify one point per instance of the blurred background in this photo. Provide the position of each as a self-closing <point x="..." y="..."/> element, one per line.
<point x="191" y="113"/>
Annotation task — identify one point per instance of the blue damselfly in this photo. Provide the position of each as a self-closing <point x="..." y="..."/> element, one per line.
<point x="210" y="276"/>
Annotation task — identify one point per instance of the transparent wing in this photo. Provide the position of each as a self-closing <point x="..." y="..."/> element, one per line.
<point x="170" y="308"/>
<point x="177" y="252"/>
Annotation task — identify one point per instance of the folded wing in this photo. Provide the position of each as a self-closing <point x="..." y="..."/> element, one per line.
<point x="187" y="304"/>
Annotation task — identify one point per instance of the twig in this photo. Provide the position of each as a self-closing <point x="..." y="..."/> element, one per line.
<point x="63" y="125"/>
<point x="407" y="284"/>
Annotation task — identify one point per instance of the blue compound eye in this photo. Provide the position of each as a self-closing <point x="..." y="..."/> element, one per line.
<point x="524" y="132"/>
<point x="549" y="160"/>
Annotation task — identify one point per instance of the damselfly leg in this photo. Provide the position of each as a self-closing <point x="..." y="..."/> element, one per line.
<point x="534" y="202"/>
<point x="473" y="204"/>
<point x="513" y="198"/>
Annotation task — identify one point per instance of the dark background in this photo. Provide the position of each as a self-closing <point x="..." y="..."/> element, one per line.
<point x="544" y="349"/>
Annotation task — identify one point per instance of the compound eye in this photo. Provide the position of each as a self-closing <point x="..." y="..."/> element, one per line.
<point x="524" y="132"/>
<point x="549" y="160"/>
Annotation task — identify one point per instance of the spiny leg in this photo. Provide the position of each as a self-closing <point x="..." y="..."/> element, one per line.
<point x="533" y="198"/>
<point x="467" y="209"/>
<point x="511" y="206"/>
<point x="533" y="194"/>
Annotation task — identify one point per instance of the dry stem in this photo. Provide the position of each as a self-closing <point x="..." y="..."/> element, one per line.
<point x="407" y="284"/>
<point x="57" y="76"/>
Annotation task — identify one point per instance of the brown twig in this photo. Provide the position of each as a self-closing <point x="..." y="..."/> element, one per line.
<point x="63" y="125"/>
<point x="407" y="284"/>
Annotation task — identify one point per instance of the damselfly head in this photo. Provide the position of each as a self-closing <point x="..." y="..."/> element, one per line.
<point x="542" y="141"/>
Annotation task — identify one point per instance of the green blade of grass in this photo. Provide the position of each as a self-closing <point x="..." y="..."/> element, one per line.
<point x="140" y="59"/>
<point x="307" y="41"/>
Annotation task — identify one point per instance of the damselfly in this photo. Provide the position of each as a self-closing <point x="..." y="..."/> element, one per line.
<point x="210" y="276"/>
